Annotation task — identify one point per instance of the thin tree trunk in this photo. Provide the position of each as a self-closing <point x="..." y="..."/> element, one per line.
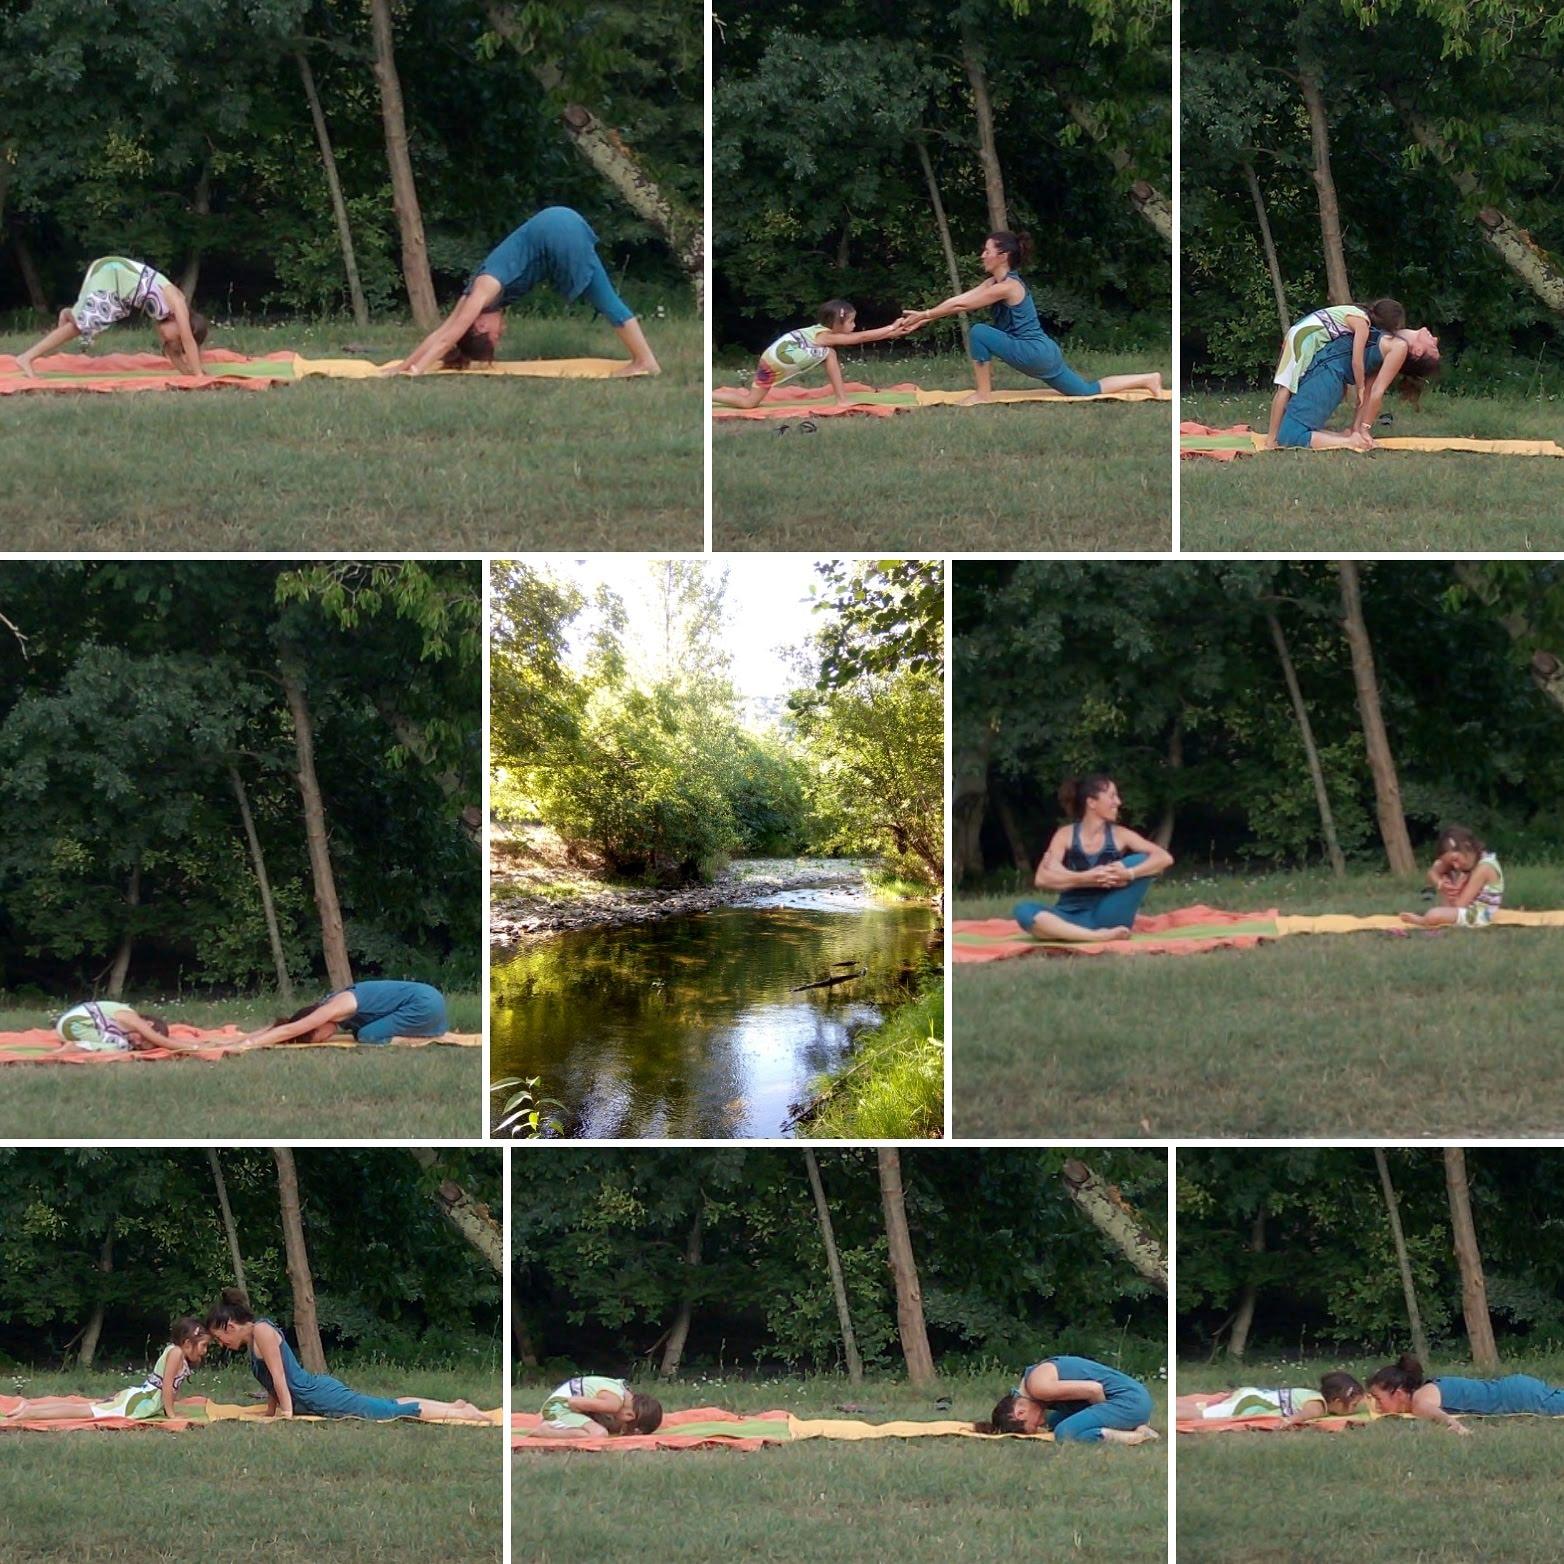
<point x="93" y="1331"/>
<point x="983" y="112"/>
<point x="263" y="883"/>
<point x="30" y="278"/>
<point x="305" y="1324"/>
<point x="968" y="804"/>
<point x="1336" y="285"/>
<point x="1144" y="196"/>
<point x="228" y="1219"/>
<point x="1546" y="669"/>
<point x="1243" y="1319"/>
<point x="120" y="970"/>
<point x="339" y="207"/>
<point x="904" y="1270"/>
<point x="1163" y="835"/>
<point x="471" y="1218"/>
<point x="1338" y="863"/>
<point x="833" y="1262"/>
<point x="333" y="940"/>
<point x="1019" y="855"/>
<point x="1116" y="1220"/>
<point x="1382" y="763"/>
<point x="201" y="205"/>
<point x="404" y="192"/>
<point x="1268" y="244"/>
<point x="673" y="1348"/>
<point x="1474" y="1288"/>
<point x="1403" y="1259"/>
<point x="942" y="227"/>
<point x="526" y="1349"/>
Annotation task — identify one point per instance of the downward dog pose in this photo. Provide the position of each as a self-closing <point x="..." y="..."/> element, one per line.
<point x="1466" y="879"/>
<point x="590" y="1404"/>
<point x="1306" y="337"/>
<point x="106" y="1026"/>
<point x="1338" y="1395"/>
<point x="1103" y="874"/>
<point x="153" y="1397"/>
<point x="1078" y="1400"/>
<point x="374" y="1012"/>
<point x="291" y="1388"/>
<point x="1017" y="337"/>
<point x="1401" y="1387"/>
<point x="115" y="287"/>
<point x="556" y="246"/>
<point x="1414" y="355"/>
<point x="797" y="352"/>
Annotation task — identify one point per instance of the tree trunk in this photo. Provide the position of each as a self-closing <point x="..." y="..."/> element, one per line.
<point x="415" y="741"/>
<point x="904" y="1269"/>
<point x="1163" y="835"/>
<point x="1311" y="751"/>
<point x="526" y="1349"/>
<point x="1144" y="196"/>
<point x="968" y="803"/>
<point x="228" y="1219"/>
<point x="93" y="1331"/>
<point x="263" y="883"/>
<point x="942" y="227"/>
<point x="339" y="207"/>
<point x="1243" y="1319"/>
<point x="1546" y="668"/>
<point x="1019" y="855"/>
<point x="1268" y="244"/>
<point x="1337" y="287"/>
<point x="1387" y="787"/>
<point x="673" y="1348"/>
<point x="30" y="278"/>
<point x="201" y="205"/>
<point x="333" y="940"/>
<point x="1115" y="1219"/>
<point x="471" y="1218"/>
<point x="983" y="111"/>
<point x="305" y="1325"/>
<point x="404" y="193"/>
<point x="120" y="970"/>
<point x="833" y="1262"/>
<point x="1403" y="1260"/>
<point x="1474" y="1288"/>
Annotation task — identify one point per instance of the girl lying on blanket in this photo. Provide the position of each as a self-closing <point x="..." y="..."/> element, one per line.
<point x="115" y="288"/>
<point x="374" y="1012"/>
<point x="797" y="352"/>
<point x="291" y="1388"/>
<point x="1401" y="1387"/>
<point x="1467" y="881"/>
<point x="1077" y="1400"/>
<point x="590" y="1405"/>
<point x="1338" y="1395"/>
<point x="153" y="1397"/>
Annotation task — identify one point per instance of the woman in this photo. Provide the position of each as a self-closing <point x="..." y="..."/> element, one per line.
<point x="1401" y="1387"/>
<point x="1102" y="869"/>
<point x="374" y="1012"/>
<point x="291" y="1388"/>
<point x="558" y="247"/>
<point x="1017" y="336"/>
<point x="1411" y="354"/>
<point x="1079" y="1400"/>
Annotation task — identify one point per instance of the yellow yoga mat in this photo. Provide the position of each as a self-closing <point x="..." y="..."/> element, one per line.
<point x="852" y="1428"/>
<point x="1343" y="923"/>
<point x="221" y="1412"/>
<point x="1395" y="443"/>
<point x="955" y="398"/>
<point x="539" y="368"/>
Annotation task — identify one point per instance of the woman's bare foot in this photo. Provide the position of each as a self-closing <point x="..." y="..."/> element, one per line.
<point x="637" y="367"/>
<point x="972" y="398"/>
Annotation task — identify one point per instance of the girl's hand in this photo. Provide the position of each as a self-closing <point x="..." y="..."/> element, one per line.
<point x="392" y="369"/>
<point x="1459" y="1428"/>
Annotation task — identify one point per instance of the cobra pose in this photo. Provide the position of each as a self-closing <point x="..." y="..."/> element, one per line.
<point x="153" y="1397"/>
<point x="1401" y="1387"/>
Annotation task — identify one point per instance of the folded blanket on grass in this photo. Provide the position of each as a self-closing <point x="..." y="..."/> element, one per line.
<point x="538" y="368"/>
<point x="1184" y="932"/>
<point x="42" y="1045"/>
<point x="820" y="402"/>
<point x="1345" y="923"/>
<point x="1225" y="445"/>
<point x="191" y="1412"/>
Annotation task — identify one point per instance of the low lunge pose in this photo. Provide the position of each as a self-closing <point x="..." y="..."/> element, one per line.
<point x="374" y="1012"/>
<point x="153" y="1397"/>
<point x="1467" y="880"/>
<point x="1016" y="336"/>
<point x="556" y="246"/>
<point x="591" y="1404"/>
<point x="1401" y="1387"/>
<point x="1337" y="1395"/>
<point x="797" y="352"/>
<point x="1077" y="1399"/>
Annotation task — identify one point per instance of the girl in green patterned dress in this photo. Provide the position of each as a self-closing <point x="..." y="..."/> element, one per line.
<point x="153" y="1397"/>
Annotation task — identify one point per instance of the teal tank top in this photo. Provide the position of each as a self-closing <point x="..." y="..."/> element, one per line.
<point x="1019" y="320"/>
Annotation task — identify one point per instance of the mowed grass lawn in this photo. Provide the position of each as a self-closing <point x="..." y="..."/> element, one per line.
<point x="289" y="1493"/>
<point x="1451" y="1034"/>
<point x="1092" y="476"/>
<point x="324" y="1093"/>
<point x="448" y="462"/>
<point x="911" y="1500"/>
<point x="1403" y="1492"/>
<point x="1299" y="501"/>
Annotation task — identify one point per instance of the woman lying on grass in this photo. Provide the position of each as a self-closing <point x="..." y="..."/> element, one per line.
<point x="291" y="1388"/>
<point x="153" y="1397"/>
<point x="1401" y="1387"/>
<point x="1338" y="1395"/>
<point x="591" y="1405"/>
<point x="374" y="1012"/>
<point x="1466" y="879"/>
<point x="1079" y="1401"/>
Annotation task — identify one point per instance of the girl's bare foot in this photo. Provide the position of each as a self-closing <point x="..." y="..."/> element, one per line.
<point x="1414" y="918"/>
<point x="25" y="364"/>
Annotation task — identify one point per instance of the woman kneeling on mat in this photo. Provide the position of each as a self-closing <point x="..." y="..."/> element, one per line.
<point x="557" y="246"/>
<point x="1102" y="873"/>
<point x="1414" y="355"/>
<point x="1079" y="1400"/>
<point x="1401" y="1387"/>
<point x="291" y="1388"/>
<point x="1017" y="336"/>
<point x="374" y="1012"/>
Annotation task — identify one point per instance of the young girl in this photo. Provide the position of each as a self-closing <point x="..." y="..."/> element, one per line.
<point x="115" y="287"/>
<point x="1466" y="879"/>
<point x="1306" y="337"/>
<point x="153" y="1397"/>
<point x="106" y="1026"/>
<point x="1078" y="1400"/>
<point x="797" y="352"/>
<point x="584" y="1407"/>
<point x="374" y="1012"/>
<point x="1338" y="1395"/>
<point x="291" y="1388"/>
<point x="1017" y="336"/>
<point x="1401" y="1387"/>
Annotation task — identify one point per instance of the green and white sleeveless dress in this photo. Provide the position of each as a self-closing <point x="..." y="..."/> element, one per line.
<point x="146" y="1399"/>
<point x="791" y="355"/>
<point x="92" y="1026"/>
<point x="558" y="1414"/>
<point x="1266" y="1401"/>
<point x="1479" y="914"/>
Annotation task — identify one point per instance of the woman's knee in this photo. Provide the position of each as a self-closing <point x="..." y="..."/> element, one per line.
<point x="1293" y="433"/>
<point x="984" y="343"/>
<point x="1068" y="383"/>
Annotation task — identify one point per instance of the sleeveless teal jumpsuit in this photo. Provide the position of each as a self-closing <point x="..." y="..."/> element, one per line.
<point x="1093" y="909"/>
<point x="1128" y="1403"/>
<point x="556" y="246"/>
<point x="1514" y="1393"/>
<point x="319" y="1395"/>
<point x="1017" y="338"/>
<point x="1323" y="386"/>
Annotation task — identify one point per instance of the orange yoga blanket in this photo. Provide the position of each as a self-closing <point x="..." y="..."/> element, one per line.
<point x="143" y="372"/>
<point x="1187" y="931"/>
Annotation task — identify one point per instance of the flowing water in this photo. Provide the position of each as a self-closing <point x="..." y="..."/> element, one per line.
<point x="690" y="1026"/>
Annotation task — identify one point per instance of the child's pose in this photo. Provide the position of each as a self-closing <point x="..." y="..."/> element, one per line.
<point x="105" y="1026"/>
<point x="153" y="1397"/>
<point x="1468" y="882"/>
<point x="799" y="351"/>
<point x="1306" y="337"/>
<point x="114" y="288"/>
<point x="1338" y="1395"/>
<point x="590" y="1405"/>
<point x="1077" y="1399"/>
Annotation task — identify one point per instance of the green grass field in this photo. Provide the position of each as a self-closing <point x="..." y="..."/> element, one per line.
<point x="443" y="463"/>
<point x="1386" y="500"/>
<point x="906" y="1499"/>
<point x="1399" y="1492"/>
<point x="329" y="1093"/>
<point x="1095" y="476"/>
<point x="289" y="1493"/>
<point x="1451" y="1034"/>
